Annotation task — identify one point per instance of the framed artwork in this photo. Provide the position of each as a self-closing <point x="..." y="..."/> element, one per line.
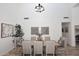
<point x="34" y="30"/>
<point x="7" y="30"/>
<point x="45" y="30"/>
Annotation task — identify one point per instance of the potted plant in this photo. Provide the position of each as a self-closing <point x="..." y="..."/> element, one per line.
<point x="18" y="36"/>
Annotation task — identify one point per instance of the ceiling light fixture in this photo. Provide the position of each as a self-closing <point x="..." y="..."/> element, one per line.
<point x="39" y="8"/>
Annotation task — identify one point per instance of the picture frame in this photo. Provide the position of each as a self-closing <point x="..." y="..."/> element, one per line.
<point x="45" y="30"/>
<point x="34" y="30"/>
<point x="7" y="30"/>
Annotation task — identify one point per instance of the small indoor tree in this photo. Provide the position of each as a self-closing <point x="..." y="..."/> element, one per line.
<point x="18" y="31"/>
<point x="18" y="35"/>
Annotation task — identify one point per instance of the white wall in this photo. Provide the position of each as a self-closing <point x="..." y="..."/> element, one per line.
<point x="75" y="15"/>
<point x="75" y="21"/>
<point x="52" y="17"/>
<point x="7" y="15"/>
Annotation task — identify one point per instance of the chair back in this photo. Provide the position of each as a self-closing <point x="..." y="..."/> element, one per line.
<point x="50" y="47"/>
<point x="38" y="47"/>
<point x="26" y="44"/>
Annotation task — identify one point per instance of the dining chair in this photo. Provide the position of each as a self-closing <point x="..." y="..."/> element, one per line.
<point x="62" y="48"/>
<point x="38" y="48"/>
<point x="26" y="44"/>
<point x="50" y="47"/>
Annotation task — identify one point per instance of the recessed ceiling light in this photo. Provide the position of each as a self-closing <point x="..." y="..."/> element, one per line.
<point x="66" y="17"/>
<point x="26" y="18"/>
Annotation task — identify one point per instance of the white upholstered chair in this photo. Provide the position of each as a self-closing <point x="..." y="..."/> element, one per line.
<point x="50" y="47"/>
<point x="62" y="48"/>
<point x="26" y="44"/>
<point x="38" y="48"/>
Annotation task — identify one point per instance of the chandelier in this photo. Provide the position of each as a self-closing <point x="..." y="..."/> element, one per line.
<point x="39" y="8"/>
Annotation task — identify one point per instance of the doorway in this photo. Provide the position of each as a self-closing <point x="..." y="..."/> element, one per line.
<point x="66" y="31"/>
<point x="77" y="35"/>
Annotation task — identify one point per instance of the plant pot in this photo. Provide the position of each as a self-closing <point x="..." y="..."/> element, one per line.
<point x="17" y="41"/>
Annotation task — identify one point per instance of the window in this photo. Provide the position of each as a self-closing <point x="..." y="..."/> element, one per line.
<point x="37" y="30"/>
<point x="34" y="30"/>
<point x="45" y="30"/>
